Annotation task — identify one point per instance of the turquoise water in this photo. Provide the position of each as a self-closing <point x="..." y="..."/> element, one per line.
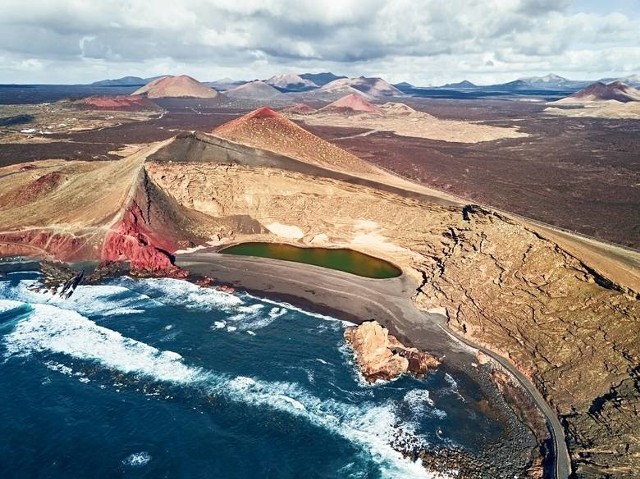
<point x="161" y="378"/>
<point x="335" y="258"/>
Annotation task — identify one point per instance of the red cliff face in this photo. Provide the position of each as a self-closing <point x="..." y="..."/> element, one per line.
<point x="131" y="240"/>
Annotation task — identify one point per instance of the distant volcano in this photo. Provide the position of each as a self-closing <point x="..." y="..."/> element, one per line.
<point x="373" y="87"/>
<point x="352" y="103"/>
<point x="299" y="109"/>
<point x="182" y="86"/>
<point x="599" y="91"/>
<point x="291" y="81"/>
<point x="255" y="90"/>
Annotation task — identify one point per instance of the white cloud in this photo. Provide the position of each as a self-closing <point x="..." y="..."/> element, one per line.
<point x="427" y="41"/>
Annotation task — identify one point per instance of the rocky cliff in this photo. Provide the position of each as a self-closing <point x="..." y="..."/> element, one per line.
<point x="381" y="356"/>
<point x="573" y="331"/>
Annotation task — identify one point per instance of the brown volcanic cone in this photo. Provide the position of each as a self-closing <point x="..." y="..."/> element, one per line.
<point x="182" y="86"/>
<point x="299" y="109"/>
<point x="352" y="104"/>
<point x="268" y="130"/>
<point x="599" y="91"/>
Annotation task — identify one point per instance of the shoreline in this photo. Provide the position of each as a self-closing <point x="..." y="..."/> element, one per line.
<point x="330" y="292"/>
<point x="356" y="299"/>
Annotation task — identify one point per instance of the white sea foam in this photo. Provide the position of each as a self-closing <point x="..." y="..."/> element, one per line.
<point x="49" y="328"/>
<point x="137" y="459"/>
<point x="104" y="300"/>
<point x="372" y="427"/>
<point x="9" y="304"/>
<point x="246" y="312"/>
<point x="176" y="292"/>
<point x="453" y="386"/>
<point x="253" y="317"/>
<point x="421" y="404"/>
<point x="291" y="307"/>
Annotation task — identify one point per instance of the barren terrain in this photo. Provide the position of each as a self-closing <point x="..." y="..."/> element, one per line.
<point x="404" y="121"/>
<point x="570" y="327"/>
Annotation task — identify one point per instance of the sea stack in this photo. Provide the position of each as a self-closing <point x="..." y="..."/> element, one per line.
<point x="381" y="356"/>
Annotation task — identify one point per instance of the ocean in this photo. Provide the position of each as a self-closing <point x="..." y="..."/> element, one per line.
<point x="162" y="378"/>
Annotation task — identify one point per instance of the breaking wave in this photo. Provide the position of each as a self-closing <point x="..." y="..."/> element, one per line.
<point x="49" y="329"/>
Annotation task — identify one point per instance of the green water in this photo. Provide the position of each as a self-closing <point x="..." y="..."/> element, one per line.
<point x="340" y="259"/>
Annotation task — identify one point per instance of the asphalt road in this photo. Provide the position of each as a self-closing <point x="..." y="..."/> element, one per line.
<point x="356" y="298"/>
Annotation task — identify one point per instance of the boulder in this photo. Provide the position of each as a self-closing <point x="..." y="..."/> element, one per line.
<point x="381" y="356"/>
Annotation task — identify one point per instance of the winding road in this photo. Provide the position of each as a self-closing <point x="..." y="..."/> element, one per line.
<point x="356" y="298"/>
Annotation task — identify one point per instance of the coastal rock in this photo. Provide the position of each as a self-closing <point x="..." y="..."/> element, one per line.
<point x="381" y="356"/>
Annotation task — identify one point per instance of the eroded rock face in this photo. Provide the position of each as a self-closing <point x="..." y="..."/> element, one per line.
<point x="381" y="356"/>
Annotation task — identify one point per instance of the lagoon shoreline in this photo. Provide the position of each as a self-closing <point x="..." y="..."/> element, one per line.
<point x="358" y="299"/>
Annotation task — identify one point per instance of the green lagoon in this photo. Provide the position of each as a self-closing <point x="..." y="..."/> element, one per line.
<point x="341" y="259"/>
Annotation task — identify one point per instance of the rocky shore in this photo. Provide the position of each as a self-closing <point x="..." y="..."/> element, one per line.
<point x="381" y="356"/>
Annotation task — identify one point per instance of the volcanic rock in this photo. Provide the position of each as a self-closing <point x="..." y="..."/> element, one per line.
<point x="182" y="86"/>
<point x="381" y="356"/>
<point x="133" y="103"/>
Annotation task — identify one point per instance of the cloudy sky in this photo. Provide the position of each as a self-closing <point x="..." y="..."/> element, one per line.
<point x="425" y="42"/>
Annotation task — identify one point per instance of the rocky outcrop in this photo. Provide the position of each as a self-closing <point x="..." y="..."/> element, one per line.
<point x="574" y="333"/>
<point x="381" y="356"/>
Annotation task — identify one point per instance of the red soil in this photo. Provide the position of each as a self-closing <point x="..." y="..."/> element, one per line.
<point x="117" y="102"/>
<point x="132" y="241"/>
<point x="263" y="112"/>
<point x="44" y="243"/>
<point x="352" y="103"/>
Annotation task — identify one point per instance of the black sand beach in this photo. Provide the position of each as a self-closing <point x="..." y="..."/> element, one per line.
<point x="359" y="299"/>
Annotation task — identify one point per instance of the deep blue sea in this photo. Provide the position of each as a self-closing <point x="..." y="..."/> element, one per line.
<point x="162" y="378"/>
